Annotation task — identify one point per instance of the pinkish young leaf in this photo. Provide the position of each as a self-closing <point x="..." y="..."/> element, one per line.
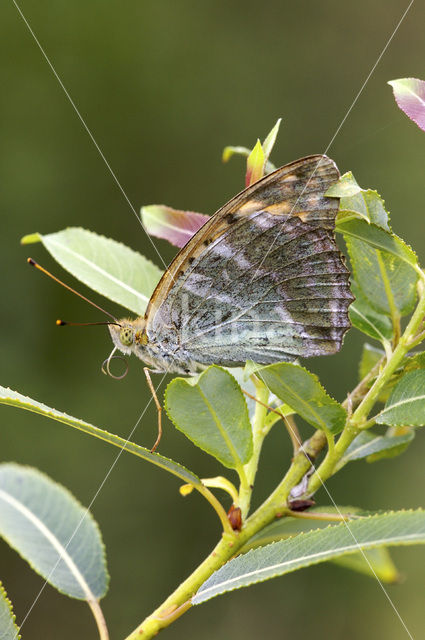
<point x="410" y="97"/>
<point x="255" y="165"/>
<point x="171" y="224"/>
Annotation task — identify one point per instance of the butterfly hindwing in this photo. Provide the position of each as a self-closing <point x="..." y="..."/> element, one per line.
<point x="263" y="279"/>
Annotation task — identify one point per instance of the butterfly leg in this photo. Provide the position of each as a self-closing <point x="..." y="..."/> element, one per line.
<point x="158" y="407"/>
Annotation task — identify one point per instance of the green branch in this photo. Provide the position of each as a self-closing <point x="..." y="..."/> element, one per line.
<point x="179" y="601"/>
<point x="359" y="419"/>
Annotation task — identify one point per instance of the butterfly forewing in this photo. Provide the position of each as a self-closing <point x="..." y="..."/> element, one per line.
<point x="263" y="279"/>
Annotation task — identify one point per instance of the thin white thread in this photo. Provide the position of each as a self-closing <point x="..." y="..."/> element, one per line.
<point x="369" y="76"/>
<point x="364" y="556"/>
<point x="100" y="487"/>
<point x="117" y="182"/>
<point x="338" y="129"/>
<point x="342" y="516"/>
<point x="135" y="213"/>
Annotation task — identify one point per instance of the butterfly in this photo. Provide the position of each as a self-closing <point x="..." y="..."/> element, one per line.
<point x="262" y="280"/>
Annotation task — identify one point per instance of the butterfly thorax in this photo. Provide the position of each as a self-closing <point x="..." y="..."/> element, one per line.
<point x="163" y="355"/>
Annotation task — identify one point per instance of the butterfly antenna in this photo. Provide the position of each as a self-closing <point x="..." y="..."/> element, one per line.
<point x="62" y="323"/>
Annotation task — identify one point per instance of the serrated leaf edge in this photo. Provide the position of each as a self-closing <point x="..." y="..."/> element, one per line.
<point x="126" y="445"/>
<point x="317" y="380"/>
<point x="309" y="533"/>
<point x="112" y="278"/>
<point x="194" y="382"/>
<point x="3" y="594"/>
<point x="406" y="310"/>
<point x="87" y="514"/>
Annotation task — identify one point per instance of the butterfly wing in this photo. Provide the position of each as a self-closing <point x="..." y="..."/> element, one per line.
<point x="263" y="279"/>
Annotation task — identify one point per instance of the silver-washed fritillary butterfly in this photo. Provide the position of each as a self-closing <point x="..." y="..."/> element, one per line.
<point x="263" y="279"/>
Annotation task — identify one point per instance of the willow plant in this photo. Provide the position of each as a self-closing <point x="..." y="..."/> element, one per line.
<point x="229" y="413"/>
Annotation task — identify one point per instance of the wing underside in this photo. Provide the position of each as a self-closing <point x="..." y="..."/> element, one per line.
<point x="264" y="280"/>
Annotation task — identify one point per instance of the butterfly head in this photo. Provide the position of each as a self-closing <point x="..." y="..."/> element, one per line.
<point x="127" y="334"/>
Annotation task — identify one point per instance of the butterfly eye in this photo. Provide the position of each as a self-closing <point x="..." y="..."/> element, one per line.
<point x="126" y="336"/>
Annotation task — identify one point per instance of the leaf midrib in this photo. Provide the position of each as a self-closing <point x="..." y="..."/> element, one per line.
<point x="365" y="319"/>
<point x="401" y="402"/>
<point x="95" y="267"/>
<point x="227" y="440"/>
<point x="342" y="550"/>
<point x="52" y="539"/>
<point x="304" y="403"/>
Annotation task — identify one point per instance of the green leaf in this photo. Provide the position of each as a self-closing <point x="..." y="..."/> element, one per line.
<point x="302" y="391"/>
<point x="251" y="368"/>
<point x="230" y="151"/>
<point x="289" y="526"/>
<point x="415" y="361"/>
<point x="406" y="404"/>
<point x="384" y="278"/>
<point x="378" y="561"/>
<point x="15" y="399"/>
<point x="367" y="320"/>
<point x="370" y="357"/>
<point x="8" y="628"/>
<point x="107" y="266"/>
<point x="346" y="187"/>
<point x="375" y="563"/>
<point x="279" y="558"/>
<point x="270" y="140"/>
<point x="211" y="411"/>
<point x="373" y="447"/>
<point x="267" y="148"/>
<point x="379" y="239"/>
<point x="59" y="538"/>
<point x="394" y="449"/>
<point x="255" y="165"/>
<point x="367" y="205"/>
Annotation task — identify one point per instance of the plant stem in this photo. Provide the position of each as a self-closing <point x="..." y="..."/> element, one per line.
<point x="276" y="504"/>
<point x="395" y="316"/>
<point x="403" y="347"/>
<point x="220" y="482"/>
<point x="179" y="601"/>
<point x="293" y="432"/>
<point x="258" y="434"/>
<point x="326" y="469"/>
<point x="358" y="421"/>
<point x="163" y="615"/>
<point x="99" y="618"/>
<point x="309" y="515"/>
<point x="217" y="506"/>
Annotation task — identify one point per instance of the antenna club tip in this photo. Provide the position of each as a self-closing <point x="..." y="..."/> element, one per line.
<point x="61" y="323"/>
<point x="31" y="262"/>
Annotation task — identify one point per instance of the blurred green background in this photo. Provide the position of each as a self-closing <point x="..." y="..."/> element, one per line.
<point x="164" y="86"/>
